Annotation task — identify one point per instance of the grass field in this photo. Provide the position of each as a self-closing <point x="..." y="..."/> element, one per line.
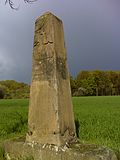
<point x="99" y="119"/>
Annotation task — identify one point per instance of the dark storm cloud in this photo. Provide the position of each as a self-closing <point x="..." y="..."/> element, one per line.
<point x="92" y="33"/>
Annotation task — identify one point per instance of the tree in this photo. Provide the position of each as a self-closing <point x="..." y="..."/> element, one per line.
<point x="118" y="83"/>
<point x="83" y="75"/>
<point x="98" y="83"/>
<point x="12" y="5"/>
<point x="114" y="78"/>
<point x="99" y="77"/>
<point x="85" y="84"/>
<point x="89" y="85"/>
<point x="73" y="85"/>
<point x="2" y="91"/>
<point x="15" y="90"/>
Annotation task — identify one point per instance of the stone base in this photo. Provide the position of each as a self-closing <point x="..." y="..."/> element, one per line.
<point x="19" y="150"/>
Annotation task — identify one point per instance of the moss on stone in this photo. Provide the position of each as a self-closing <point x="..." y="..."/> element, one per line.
<point x="19" y="150"/>
<point x="82" y="148"/>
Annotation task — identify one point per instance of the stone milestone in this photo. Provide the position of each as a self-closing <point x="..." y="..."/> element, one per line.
<point x="51" y="118"/>
<point x="51" y="129"/>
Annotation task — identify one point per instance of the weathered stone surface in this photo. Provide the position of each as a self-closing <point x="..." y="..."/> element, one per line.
<point x="33" y="151"/>
<point x="51" y="118"/>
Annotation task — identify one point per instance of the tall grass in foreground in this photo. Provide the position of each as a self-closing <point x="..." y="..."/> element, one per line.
<point x="99" y="119"/>
<point x="13" y="118"/>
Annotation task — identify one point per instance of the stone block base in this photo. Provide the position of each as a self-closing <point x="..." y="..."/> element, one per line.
<point x="20" y="150"/>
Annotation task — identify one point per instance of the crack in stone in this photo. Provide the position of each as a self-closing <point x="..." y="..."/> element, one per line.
<point x="47" y="43"/>
<point x="36" y="43"/>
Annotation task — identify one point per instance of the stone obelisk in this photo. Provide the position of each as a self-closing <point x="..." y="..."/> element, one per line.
<point x="51" y="119"/>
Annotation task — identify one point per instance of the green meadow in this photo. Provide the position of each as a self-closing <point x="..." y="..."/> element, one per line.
<point x="97" y="120"/>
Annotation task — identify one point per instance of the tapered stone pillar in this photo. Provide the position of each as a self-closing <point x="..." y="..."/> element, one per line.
<point x="51" y="119"/>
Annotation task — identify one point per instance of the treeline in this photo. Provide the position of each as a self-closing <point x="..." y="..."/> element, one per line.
<point x="96" y="83"/>
<point x="87" y="83"/>
<point x="10" y="89"/>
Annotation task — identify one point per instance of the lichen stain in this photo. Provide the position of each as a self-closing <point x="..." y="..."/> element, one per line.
<point x="45" y="64"/>
<point x="61" y="67"/>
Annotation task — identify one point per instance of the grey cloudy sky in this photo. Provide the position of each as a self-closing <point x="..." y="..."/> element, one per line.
<point x="92" y="33"/>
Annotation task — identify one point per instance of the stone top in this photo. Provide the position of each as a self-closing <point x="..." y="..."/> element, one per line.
<point x="46" y="15"/>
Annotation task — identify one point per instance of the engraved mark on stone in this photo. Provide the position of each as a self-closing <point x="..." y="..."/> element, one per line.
<point x="48" y="43"/>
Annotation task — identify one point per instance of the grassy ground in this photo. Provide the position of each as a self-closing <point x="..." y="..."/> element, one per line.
<point x="98" y="117"/>
<point x="13" y="118"/>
